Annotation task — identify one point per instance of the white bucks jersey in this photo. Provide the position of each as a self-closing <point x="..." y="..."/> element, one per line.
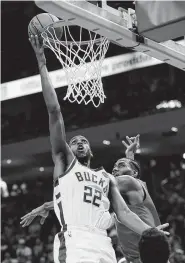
<point x="82" y="197"/>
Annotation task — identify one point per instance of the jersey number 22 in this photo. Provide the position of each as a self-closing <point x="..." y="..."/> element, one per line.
<point x="92" y="196"/>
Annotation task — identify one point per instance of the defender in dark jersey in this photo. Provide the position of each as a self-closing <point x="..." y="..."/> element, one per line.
<point x="135" y="193"/>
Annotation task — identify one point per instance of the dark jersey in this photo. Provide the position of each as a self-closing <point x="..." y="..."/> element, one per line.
<point x="129" y="239"/>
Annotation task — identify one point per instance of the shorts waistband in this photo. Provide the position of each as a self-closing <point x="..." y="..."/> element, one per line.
<point x="91" y="229"/>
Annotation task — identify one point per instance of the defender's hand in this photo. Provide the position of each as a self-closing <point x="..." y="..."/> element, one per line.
<point x="38" y="48"/>
<point x="39" y="211"/>
<point x="113" y="182"/>
<point x="161" y="227"/>
<point x="131" y="146"/>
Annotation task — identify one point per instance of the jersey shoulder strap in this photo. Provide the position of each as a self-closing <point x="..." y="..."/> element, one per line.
<point x="70" y="167"/>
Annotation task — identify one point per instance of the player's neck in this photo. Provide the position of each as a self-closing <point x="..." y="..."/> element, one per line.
<point x="85" y="162"/>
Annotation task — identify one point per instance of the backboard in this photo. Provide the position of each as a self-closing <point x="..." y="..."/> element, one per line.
<point x="109" y="23"/>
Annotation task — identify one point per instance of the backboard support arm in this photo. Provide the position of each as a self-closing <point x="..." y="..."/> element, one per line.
<point x="110" y="25"/>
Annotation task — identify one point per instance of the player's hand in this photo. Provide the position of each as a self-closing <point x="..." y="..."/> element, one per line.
<point x="113" y="182"/>
<point x="131" y="145"/>
<point x="161" y="227"/>
<point x="38" y="48"/>
<point x="39" y="211"/>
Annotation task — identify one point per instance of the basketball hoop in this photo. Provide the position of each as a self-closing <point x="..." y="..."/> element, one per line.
<point x="81" y="53"/>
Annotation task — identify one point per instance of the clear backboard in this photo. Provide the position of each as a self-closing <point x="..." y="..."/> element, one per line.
<point x="114" y="25"/>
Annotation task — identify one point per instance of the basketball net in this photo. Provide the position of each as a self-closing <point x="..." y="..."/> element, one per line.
<point x="81" y="62"/>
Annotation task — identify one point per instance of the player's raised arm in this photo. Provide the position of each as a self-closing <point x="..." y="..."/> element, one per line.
<point x="56" y="123"/>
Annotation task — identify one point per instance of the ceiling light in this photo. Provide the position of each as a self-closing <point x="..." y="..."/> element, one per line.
<point x="9" y="161"/>
<point x="41" y="169"/>
<point x="174" y="129"/>
<point x="183" y="155"/>
<point x="106" y="142"/>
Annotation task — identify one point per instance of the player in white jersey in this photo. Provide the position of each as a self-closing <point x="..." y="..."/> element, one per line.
<point x="81" y="205"/>
<point x="80" y="193"/>
<point x="79" y="187"/>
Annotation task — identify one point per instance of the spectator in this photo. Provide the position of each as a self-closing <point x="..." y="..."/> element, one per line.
<point x="34" y="230"/>
<point x="23" y="188"/>
<point x="23" y="252"/>
<point x="4" y="245"/>
<point x="9" y="259"/>
<point x="43" y="260"/>
<point x="4" y="188"/>
<point x="38" y="249"/>
<point x="49" y="246"/>
<point x="178" y="256"/>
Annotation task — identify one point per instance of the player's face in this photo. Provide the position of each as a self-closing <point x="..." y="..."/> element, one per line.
<point x="122" y="167"/>
<point x="80" y="147"/>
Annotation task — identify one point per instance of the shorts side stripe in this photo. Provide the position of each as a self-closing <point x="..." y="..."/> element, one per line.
<point x="62" y="249"/>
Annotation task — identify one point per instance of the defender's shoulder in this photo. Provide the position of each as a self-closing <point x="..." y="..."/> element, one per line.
<point x="128" y="183"/>
<point x="144" y="185"/>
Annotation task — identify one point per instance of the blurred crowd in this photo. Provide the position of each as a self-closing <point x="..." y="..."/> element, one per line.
<point x="34" y="244"/>
<point x="138" y="93"/>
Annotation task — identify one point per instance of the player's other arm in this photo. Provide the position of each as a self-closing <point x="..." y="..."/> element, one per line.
<point x="42" y="211"/>
<point x="56" y="123"/>
<point x="123" y="213"/>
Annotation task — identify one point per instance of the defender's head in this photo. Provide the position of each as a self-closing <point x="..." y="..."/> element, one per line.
<point x="80" y="147"/>
<point x="125" y="166"/>
<point x="154" y="247"/>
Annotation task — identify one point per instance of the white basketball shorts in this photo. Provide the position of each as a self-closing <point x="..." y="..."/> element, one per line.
<point x="83" y="245"/>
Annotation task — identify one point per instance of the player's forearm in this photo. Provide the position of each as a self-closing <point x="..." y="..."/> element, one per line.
<point x="125" y="215"/>
<point x="132" y="221"/>
<point x="56" y="122"/>
<point x="49" y="93"/>
<point x="49" y="206"/>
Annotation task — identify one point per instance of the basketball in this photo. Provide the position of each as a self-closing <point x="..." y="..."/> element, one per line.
<point x="39" y="22"/>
